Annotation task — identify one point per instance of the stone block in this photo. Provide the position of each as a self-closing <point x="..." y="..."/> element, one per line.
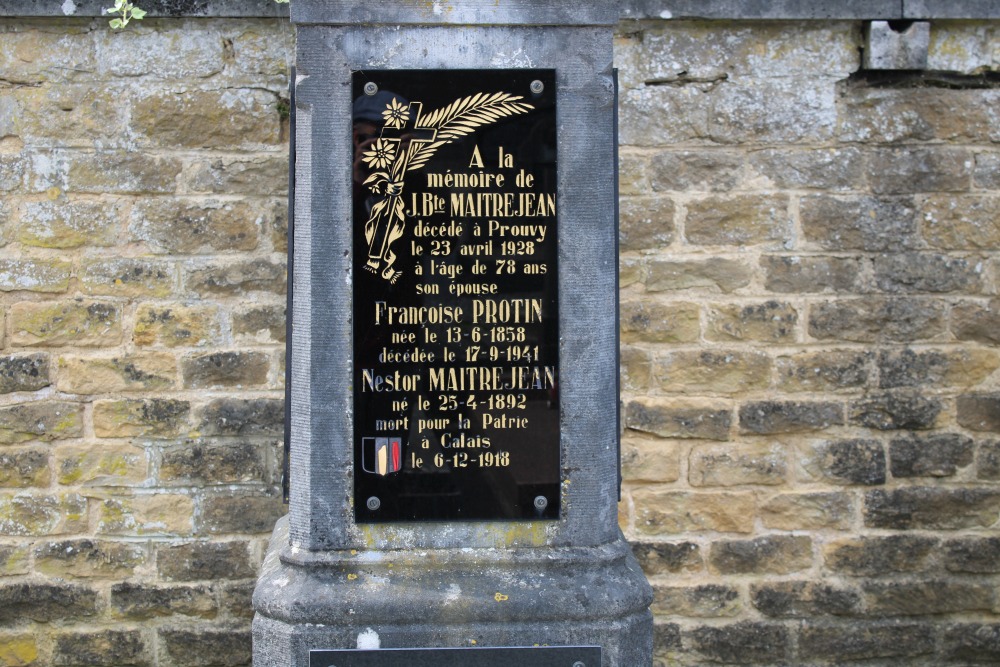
<point x="878" y="320"/>
<point x="80" y="322"/>
<point x="199" y="463"/>
<point x="695" y="171"/>
<point x="18" y="650"/>
<point x="24" y="372"/>
<point x="123" y="172"/>
<point x="740" y="643"/>
<point x="265" y="175"/>
<point x="803" y="599"/>
<point x="70" y="115"/>
<point x="128" y="277"/>
<point x="657" y="322"/>
<point x="228" y="118"/>
<point x="895" y="411"/>
<point x="660" y="511"/>
<point x="668" y="557"/>
<point x="918" y="114"/>
<point x="45" y="602"/>
<point x="737" y="464"/>
<point x="931" y="508"/>
<point x="205" y="561"/>
<point x="242" y="417"/>
<point x="712" y="371"/>
<point x="780" y="110"/>
<point x="865" y="640"/>
<point x="40" y="420"/>
<point x="36" y="56"/>
<point x="225" y="369"/>
<point x="260" y="324"/>
<point x="143" y="371"/>
<point x="972" y="555"/>
<point x="820" y="169"/>
<point x="824" y="371"/>
<point x="104" y="648"/>
<point x="979" y="412"/>
<point x="197" y="52"/>
<point x="811" y="275"/>
<point x="935" y="368"/>
<point x="771" y="554"/>
<point x="906" y="170"/>
<point x="917" y="598"/>
<point x="99" y="464"/>
<point x="853" y="461"/>
<point x="145" y="602"/>
<point x="808" y="511"/>
<point x="871" y="224"/>
<point x="201" y="647"/>
<point x="679" y="418"/>
<point x="22" y="468"/>
<point x="147" y="418"/>
<point x="633" y="173"/>
<point x="177" y="325"/>
<point x="664" y="115"/>
<point x="85" y="558"/>
<point x="645" y="223"/>
<point x="715" y="275"/>
<point x="937" y="455"/>
<point x="770" y="417"/>
<point x="650" y="459"/>
<point x="961" y="222"/>
<point x="34" y="275"/>
<point x="737" y="220"/>
<point x="635" y="368"/>
<point x="977" y="643"/>
<point x="236" y="599"/>
<point x="238" y="278"/>
<point x="156" y="514"/>
<point x="880" y="556"/>
<point x="14" y="559"/>
<point x="989" y="460"/>
<point x="975" y="322"/>
<point x="70" y="223"/>
<point x="631" y="270"/>
<point x="700" y="601"/>
<point x="240" y="514"/>
<point x="29" y="515"/>
<point x="769" y="322"/>
<point x="986" y="174"/>
<point x="199" y="227"/>
<point x="910" y="273"/>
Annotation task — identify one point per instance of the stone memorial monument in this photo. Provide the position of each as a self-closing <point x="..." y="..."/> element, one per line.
<point x="453" y="410"/>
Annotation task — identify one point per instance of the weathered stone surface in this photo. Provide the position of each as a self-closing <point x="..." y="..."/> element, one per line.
<point x="40" y="420"/>
<point x="197" y="53"/>
<point x="906" y="598"/>
<point x="89" y="558"/>
<point x="859" y="223"/>
<point x="262" y="324"/>
<point x="972" y="555"/>
<point x="635" y="368"/>
<point x="932" y="508"/>
<point x="771" y="554"/>
<point x="242" y="417"/>
<point x="119" y="464"/>
<point x="975" y="322"/>
<point x="909" y="273"/>
<point x="854" y="461"/>
<point x="880" y="556"/>
<point x="895" y="411"/>
<point x="177" y="325"/>
<point x="209" y="561"/>
<point x="660" y="511"/>
<point x="148" y="417"/>
<point x="225" y="369"/>
<point x="807" y="511"/>
<point x="21" y="468"/>
<point x="781" y="110"/>
<point x="123" y="172"/>
<point x="988" y="460"/>
<point x="979" y="412"/>
<point x="107" y="648"/>
<point x="207" y="118"/>
<point x="935" y="368"/>
<point x="650" y="459"/>
<point x="44" y="602"/>
<point x="29" y="515"/>
<point x="797" y="274"/>
<point x="695" y="171"/>
<point x="656" y="322"/>
<point x="938" y="455"/>
<point x="68" y="115"/>
<point x="34" y="56"/>
<point x="715" y="275"/>
<point x="740" y="643"/>
<point x="825" y="168"/>
<point x="70" y="224"/>
<point x="803" y="599"/>
<point x="213" y="463"/>
<point x="242" y="277"/>
<point x="910" y="169"/>
<point x="680" y="418"/>
<point x="986" y="173"/>
<point x="771" y="321"/>
<point x="631" y="270"/>
<point x="769" y="417"/>
<point x="633" y="172"/>
<point x="18" y="650"/>
<point x="157" y="514"/>
<point x="668" y="557"/>
<point x="737" y="220"/>
<point x="236" y="599"/>
<point x="24" y="372"/>
<point x="703" y="601"/>
<point x="735" y="465"/>
<point x="978" y="643"/>
<point x="645" y="223"/>
<point x="14" y="559"/>
<point x="961" y="222"/>
<point x="142" y="602"/>
<point x="128" y="277"/>
<point x="239" y="175"/>
<point x="147" y="371"/>
<point x="240" y="514"/>
<point x="80" y="322"/>
<point x="34" y="275"/>
<point x="712" y="371"/>
<point x="893" y="320"/>
<point x="207" y="226"/>
<point x="824" y="371"/>
<point x="203" y="647"/>
<point x="663" y="115"/>
<point x="865" y="640"/>
<point x="893" y="115"/>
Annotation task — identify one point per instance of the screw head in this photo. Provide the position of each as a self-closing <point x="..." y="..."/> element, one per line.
<point x="541" y="502"/>
<point x="579" y="664"/>
<point x="537" y="86"/>
<point x="371" y="88"/>
<point x="373" y="503"/>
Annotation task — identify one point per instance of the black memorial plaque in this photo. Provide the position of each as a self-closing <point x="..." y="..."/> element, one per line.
<point x="535" y="656"/>
<point x="456" y="325"/>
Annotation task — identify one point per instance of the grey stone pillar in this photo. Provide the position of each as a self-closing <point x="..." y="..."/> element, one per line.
<point x="331" y="583"/>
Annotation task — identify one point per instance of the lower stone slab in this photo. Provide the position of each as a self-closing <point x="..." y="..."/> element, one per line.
<point x="534" y="656"/>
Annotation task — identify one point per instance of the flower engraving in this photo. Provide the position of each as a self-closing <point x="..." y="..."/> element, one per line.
<point x="396" y="115"/>
<point x="381" y="155"/>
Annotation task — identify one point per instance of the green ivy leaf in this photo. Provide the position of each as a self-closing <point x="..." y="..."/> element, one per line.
<point x="138" y="13"/>
<point x="116" y="23"/>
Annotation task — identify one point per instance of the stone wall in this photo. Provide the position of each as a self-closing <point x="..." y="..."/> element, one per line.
<point x="809" y="275"/>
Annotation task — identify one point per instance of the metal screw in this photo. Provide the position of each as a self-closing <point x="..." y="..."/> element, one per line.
<point x="537" y="87"/>
<point x="371" y="88"/>
<point x="541" y="502"/>
<point x="373" y="503"/>
<point x="579" y="664"/>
